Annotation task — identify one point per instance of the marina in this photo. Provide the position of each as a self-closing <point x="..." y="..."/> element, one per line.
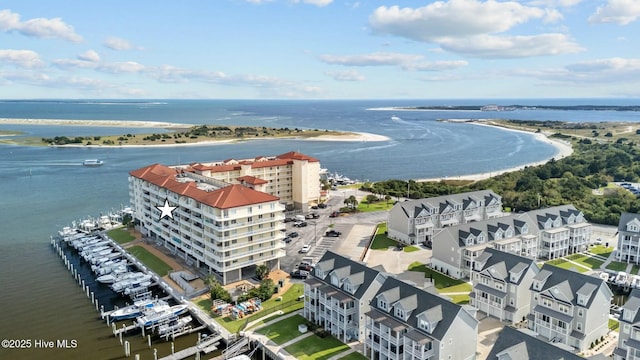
<point x="158" y="311"/>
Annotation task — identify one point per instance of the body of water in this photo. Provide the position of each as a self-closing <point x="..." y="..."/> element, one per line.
<point x="45" y="188"/>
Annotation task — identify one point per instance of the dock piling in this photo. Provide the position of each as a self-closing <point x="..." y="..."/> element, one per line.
<point x="127" y="349"/>
<point x="149" y="341"/>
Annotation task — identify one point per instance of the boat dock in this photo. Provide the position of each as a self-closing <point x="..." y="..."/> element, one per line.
<point x="207" y="346"/>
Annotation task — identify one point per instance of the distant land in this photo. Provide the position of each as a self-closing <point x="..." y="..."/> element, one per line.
<point x="494" y="107"/>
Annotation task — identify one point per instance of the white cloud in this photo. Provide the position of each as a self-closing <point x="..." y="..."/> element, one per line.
<point x="455" y="18"/>
<point x="38" y="27"/>
<point x="21" y="58"/>
<point x="474" y="28"/>
<point x="601" y="72"/>
<point x="555" y="3"/>
<point x="345" y="75"/>
<point x="89" y="55"/>
<point x="318" y="3"/>
<point x="374" y="59"/>
<point x="437" y="65"/>
<point x="115" y="43"/>
<point x="122" y="67"/>
<point x="620" y="12"/>
<point x="486" y="46"/>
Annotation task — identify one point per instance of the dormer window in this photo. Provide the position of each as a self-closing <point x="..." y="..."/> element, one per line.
<point x="348" y="287"/>
<point x="469" y="241"/>
<point x="628" y="315"/>
<point x="382" y="304"/>
<point x="480" y="238"/>
<point x="582" y="300"/>
<point x="424" y="325"/>
<point x="319" y="273"/>
<point x="399" y="313"/>
<point x="508" y="233"/>
<point x="525" y="229"/>
<point x="632" y="227"/>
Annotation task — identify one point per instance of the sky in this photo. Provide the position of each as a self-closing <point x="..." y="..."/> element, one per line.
<point x="319" y="49"/>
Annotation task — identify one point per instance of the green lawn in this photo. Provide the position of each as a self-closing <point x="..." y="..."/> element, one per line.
<point x="363" y="206"/>
<point x="562" y="263"/>
<point x="292" y="294"/>
<point x="316" y="348"/>
<point x="283" y="330"/>
<point x="635" y="269"/>
<point x="354" y="356"/>
<point x="614" y="325"/>
<point x="586" y="260"/>
<point x="411" y="248"/>
<point x="121" y="235"/>
<point x="460" y="299"/>
<point x="617" y="266"/>
<point x="381" y="241"/>
<point x="601" y="250"/>
<point x="151" y="261"/>
<point x="442" y="282"/>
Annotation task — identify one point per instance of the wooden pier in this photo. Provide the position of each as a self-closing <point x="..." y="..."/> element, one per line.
<point x="207" y="346"/>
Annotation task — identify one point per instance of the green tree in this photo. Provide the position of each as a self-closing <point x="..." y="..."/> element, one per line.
<point x="262" y="271"/>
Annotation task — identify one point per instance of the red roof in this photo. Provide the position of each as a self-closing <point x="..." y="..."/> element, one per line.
<point x="224" y="198"/>
<point x="280" y="160"/>
<point x="252" y="180"/>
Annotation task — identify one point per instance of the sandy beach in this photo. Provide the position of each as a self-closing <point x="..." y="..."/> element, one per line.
<point x="99" y="123"/>
<point x="563" y="149"/>
<point x="347" y="136"/>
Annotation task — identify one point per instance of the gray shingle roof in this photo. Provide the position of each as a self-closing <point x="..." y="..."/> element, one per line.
<point x="519" y="345"/>
<point x="345" y="268"/>
<point x="426" y="301"/>
<point x="510" y="263"/>
<point x="566" y="282"/>
<point x="625" y="218"/>
<point x="413" y="207"/>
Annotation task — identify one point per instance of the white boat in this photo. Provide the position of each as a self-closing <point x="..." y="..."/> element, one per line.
<point x="157" y="316"/>
<point x="93" y="162"/>
<point x="113" y="270"/>
<point x="135" y="310"/>
<point x="113" y="278"/>
<point x="120" y="286"/>
<point x="174" y="326"/>
<point x="137" y="287"/>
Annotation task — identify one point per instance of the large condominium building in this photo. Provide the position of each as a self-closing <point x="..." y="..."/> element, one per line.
<point x="409" y="323"/>
<point x="628" y="249"/>
<point x="415" y="221"/>
<point x="337" y="295"/>
<point x="293" y="177"/>
<point x="221" y="228"/>
<point x="569" y="307"/>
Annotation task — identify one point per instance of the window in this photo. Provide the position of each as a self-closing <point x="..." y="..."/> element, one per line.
<point x="546" y="302"/>
<point x="399" y="312"/>
<point x="563" y="308"/>
<point x="579" y="326"/>
<point x="382" y="304"/>
<point x="424" y="325"/>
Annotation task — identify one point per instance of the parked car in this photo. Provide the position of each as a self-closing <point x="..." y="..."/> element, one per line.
<point x="287" y="240"/>
<point x="305" y="249"/>
<point x="598" y="241"/>
<point x="333" y="233"/>
<point x="315" y="207"/>
<point x="300" y="224"/>
<point x="304" y="267"/>
<point x="312" y="216"/>
<point x="292" y="234"/>
<point x="334" y="214"/>
<point x="428" y="244"/>
<point x="289" y="219"/>
<point x="300" y="274"/>
<point x="322" y="206"/>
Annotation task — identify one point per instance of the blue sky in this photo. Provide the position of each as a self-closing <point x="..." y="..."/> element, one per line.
<point x="319" y="49"/>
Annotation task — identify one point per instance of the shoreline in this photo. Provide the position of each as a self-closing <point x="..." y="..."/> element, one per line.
<point x="94" y="123"/>
<point x="562" y="150"/>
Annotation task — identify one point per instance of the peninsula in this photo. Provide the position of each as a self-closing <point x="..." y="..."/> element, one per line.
<point x="174" y="134"/>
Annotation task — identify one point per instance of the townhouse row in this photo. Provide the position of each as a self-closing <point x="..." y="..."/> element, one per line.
<point x="564" y="311"/>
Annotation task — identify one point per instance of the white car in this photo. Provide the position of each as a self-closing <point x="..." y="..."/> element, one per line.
<point x="598" y="241"/>
<point x="305" y="249"/>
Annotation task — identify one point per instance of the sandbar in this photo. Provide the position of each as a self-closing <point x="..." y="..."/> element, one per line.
<point x="101" y="123"/>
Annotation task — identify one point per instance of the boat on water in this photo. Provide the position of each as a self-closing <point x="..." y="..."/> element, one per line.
<point x="153" y="317"/>
<point x="137" y="309"/>
<point x="174" y="326"/>
<point x="93" y="162"/>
